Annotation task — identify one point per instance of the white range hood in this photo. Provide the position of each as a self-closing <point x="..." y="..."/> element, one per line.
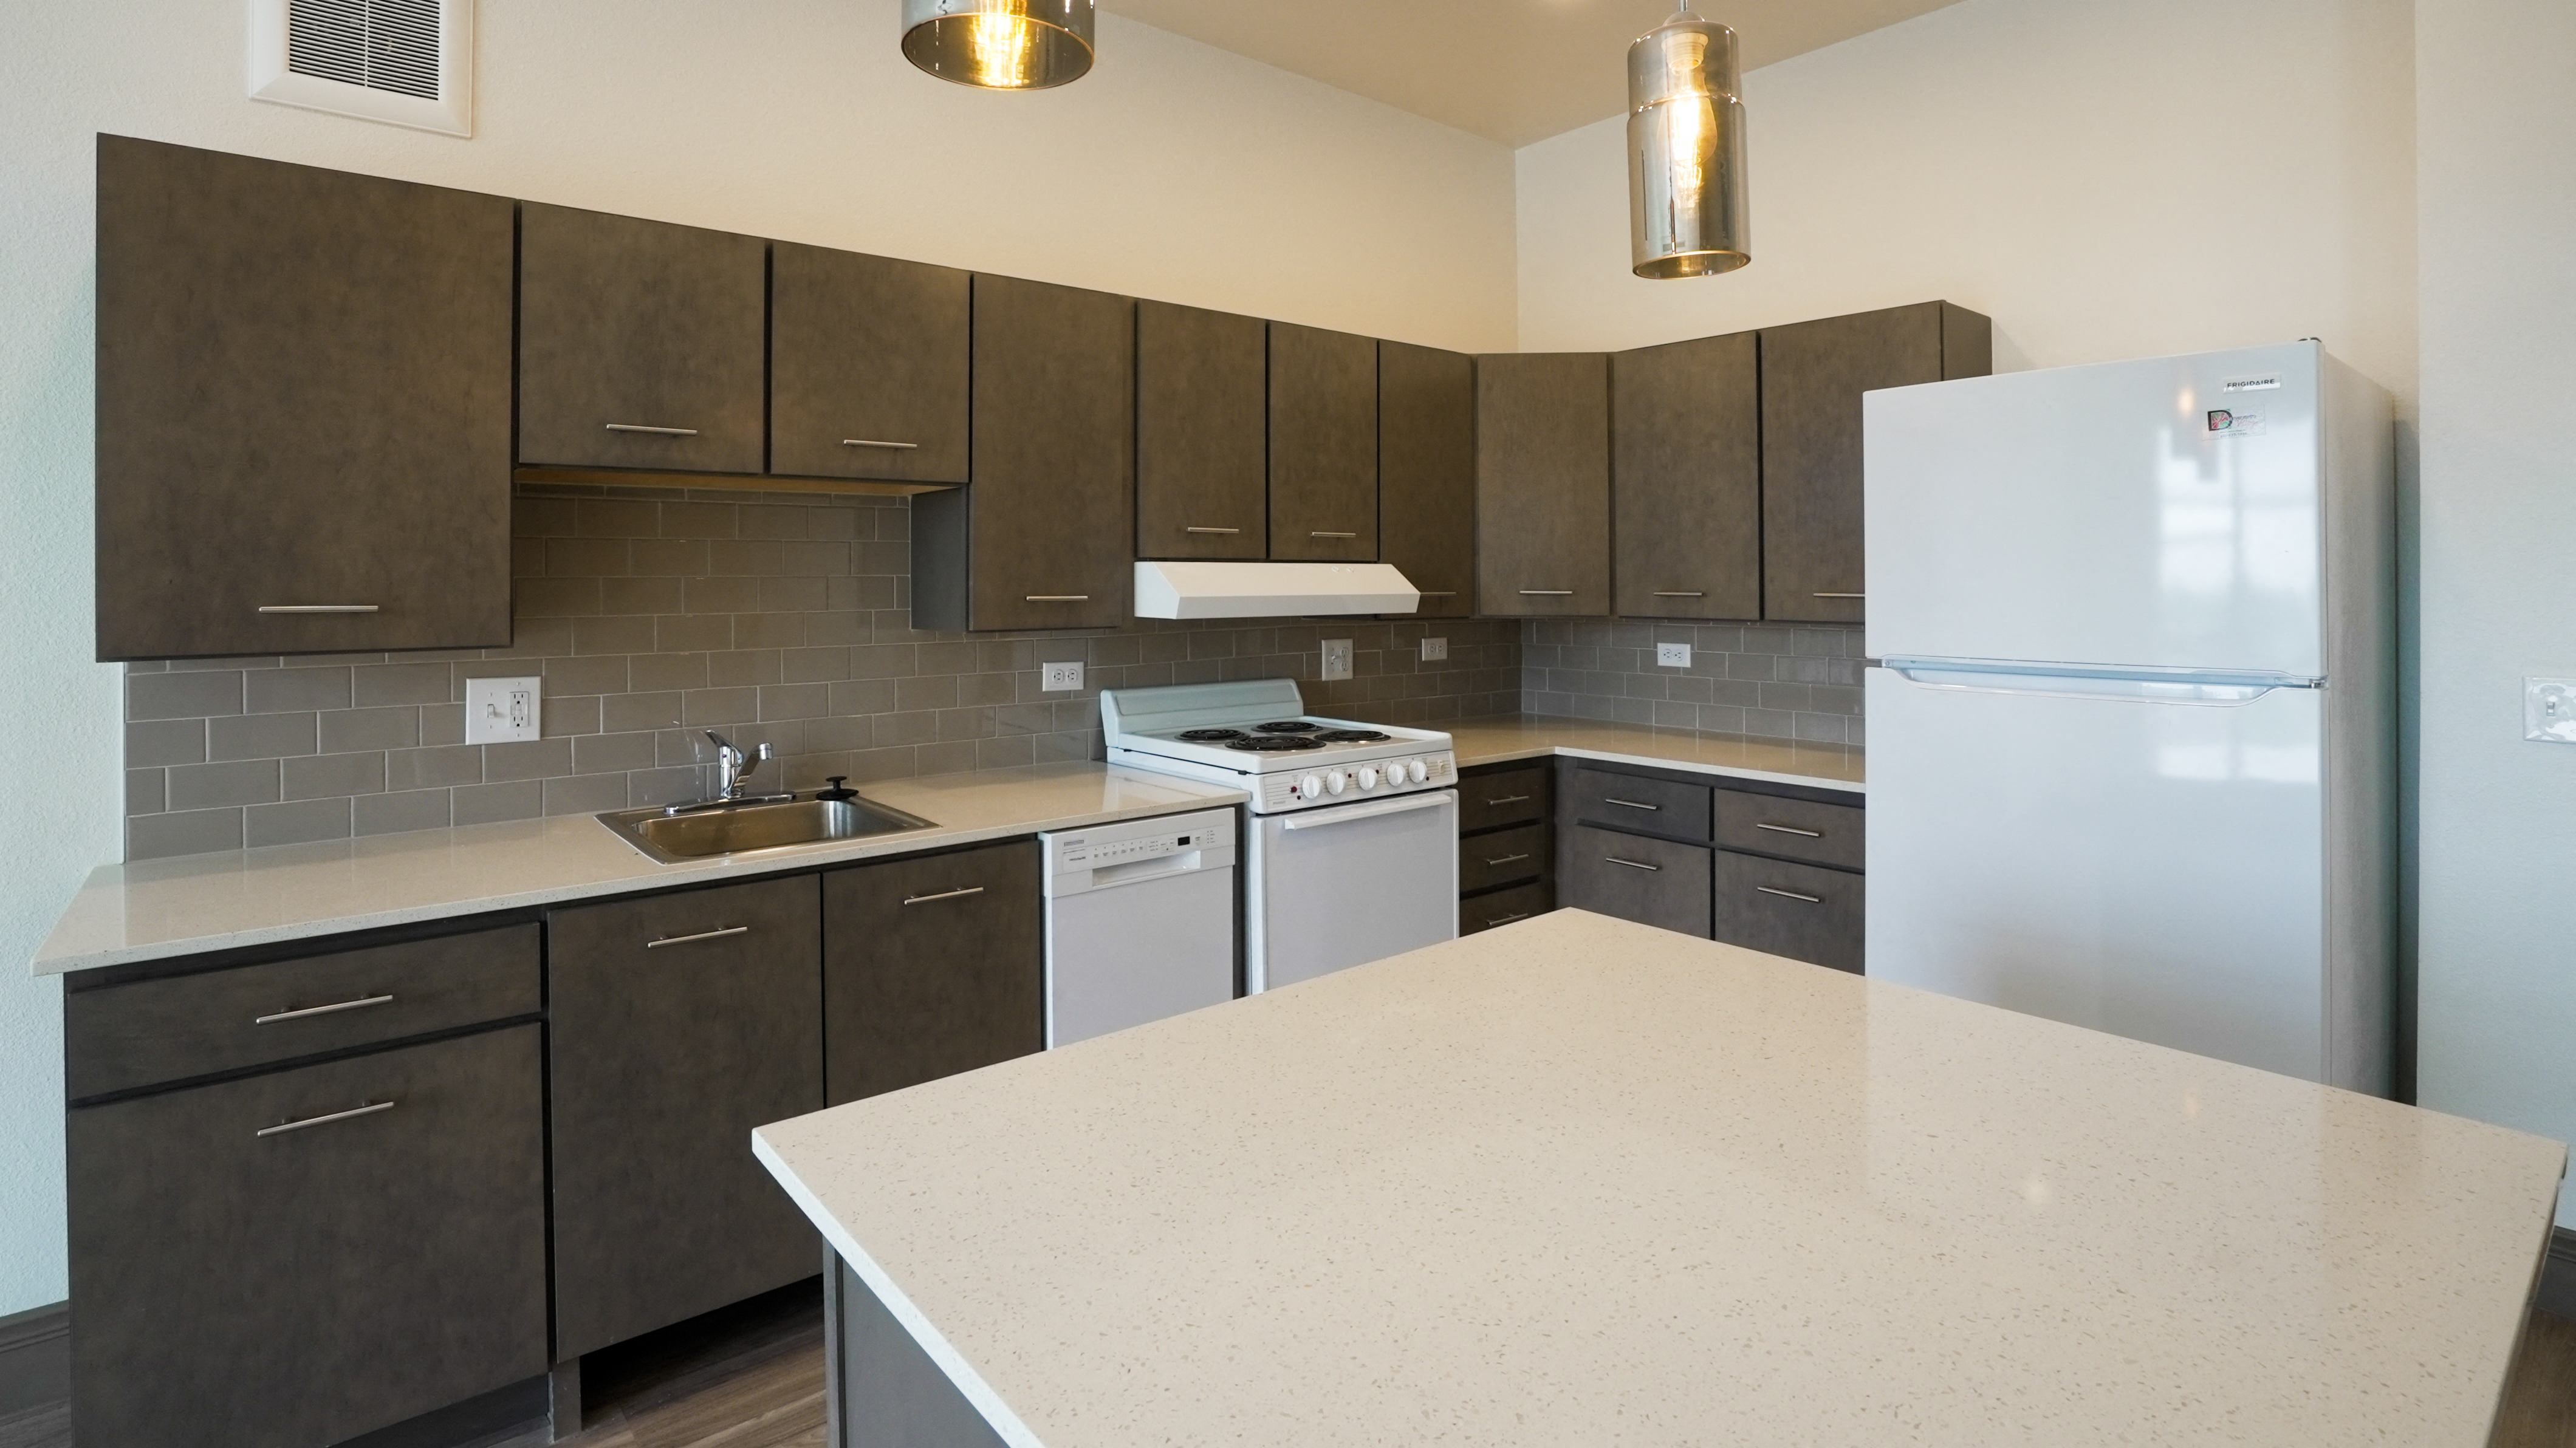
<point x="1270" y="590"/>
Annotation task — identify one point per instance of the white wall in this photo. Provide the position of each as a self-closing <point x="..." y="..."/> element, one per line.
<point x="1173" y="171"/>
<point x="2497" y="148"/>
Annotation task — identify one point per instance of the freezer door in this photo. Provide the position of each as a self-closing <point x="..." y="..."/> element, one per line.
<point x="2151" y="869"/>
<point x="1338" y="887"/>
<point x="2137" y="513"/>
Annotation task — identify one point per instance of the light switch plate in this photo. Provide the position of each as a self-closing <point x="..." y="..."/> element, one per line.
<point x="2549" y="710"/>
<point x="1057" y="678"/>
<point x="1434" y="650"/>
<point x="1337" y="659"/>
<point x="1672" y="656"/>
<point x="501" y="711"/>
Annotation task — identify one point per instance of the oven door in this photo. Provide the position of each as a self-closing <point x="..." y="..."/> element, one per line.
<point x="1337" y="887"/>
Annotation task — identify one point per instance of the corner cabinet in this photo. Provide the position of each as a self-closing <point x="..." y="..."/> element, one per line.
<point x="303" y="409"/>
<point x="1202" y="454"/>
<point x="867" y="366"/>
<point x="1043" y="534"/>
<point x="1686" y="460"/>
<point x="1813" y="375"/>
<point x="1323" y="445"/>
<point x="1543" y="485"/>
<point x="1426" y="473"/>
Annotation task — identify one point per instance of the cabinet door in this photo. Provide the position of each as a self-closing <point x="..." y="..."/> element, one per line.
<point x="1323" y="445"/>
<point x="1044" y="535"/>
<point x="641" y="344"/>
<point x="867" y="366"/>
<point x="1799" y="911"/>
<point x="679" y="1023"/>
<point x="303" y="402"/>
<point x="243" y="1284"/>
<point x="1686" y="460"/>
<point x="1543" y="484"/>
<point x="1653" y="882"/>
<point x="1426" y="473"/>
<point x="1201" y="451"/>
<point x="933" y="967"/>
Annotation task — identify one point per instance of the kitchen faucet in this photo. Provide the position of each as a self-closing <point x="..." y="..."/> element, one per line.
<point x="733" y="768"/>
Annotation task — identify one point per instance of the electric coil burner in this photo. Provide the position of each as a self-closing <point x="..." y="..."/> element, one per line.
<point x="1274" y="744"/>
<point x="1288" y="726"/>
<point x="1209" y="736"/>
<point x="1353" y="736"/>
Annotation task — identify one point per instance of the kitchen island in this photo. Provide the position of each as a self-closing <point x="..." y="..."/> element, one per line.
<point x="1581" y="1181"/>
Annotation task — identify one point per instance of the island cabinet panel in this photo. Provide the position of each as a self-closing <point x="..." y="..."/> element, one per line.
<point x="641" y="344"/>
<point x="303" y="402"/>
<point x="1543" y="484"/>
<point x="1653" y="882"/>
<point x="1813" y="375"/>
<point x="679" y="1023"/>
<point x="1686" y="461"/>
<point x="867" y="366"/>
<point x="308" y="1255"/>
<point x="1323" y="445"/>
<point x="1800" y="911"/>
<point x="1202" y="452"/>
<point x="1426" y="473"/>
<point x="933" y="967"/>
<point x="1044" y="535"/>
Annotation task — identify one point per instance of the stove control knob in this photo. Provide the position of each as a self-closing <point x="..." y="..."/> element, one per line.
<point x="1417" y="771"/>
<point x="1311" y="786"/>
<point x="1336" y="781"/>
<point x="1368" y="776"/>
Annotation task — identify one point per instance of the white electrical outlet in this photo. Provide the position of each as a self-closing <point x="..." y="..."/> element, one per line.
<point x="1434" y="649"/>
<point x="1672" y="656"/>
<point x="1337" y="659"/>
<point x="2549" y="710"/>
<point x="501" y="711"/>
<point x="1057" y="678"/>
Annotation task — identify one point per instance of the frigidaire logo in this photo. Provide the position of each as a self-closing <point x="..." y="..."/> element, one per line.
<point x="2253" y="384"/>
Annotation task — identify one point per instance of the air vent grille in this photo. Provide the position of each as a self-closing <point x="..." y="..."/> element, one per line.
<point x="382" y="45"/>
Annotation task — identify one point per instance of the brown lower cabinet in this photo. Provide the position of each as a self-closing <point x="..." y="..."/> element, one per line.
<point x="1506" y="845"/>
<point x="1801" y="911"/>
<point x="1506" y="906"/>
<point x="933" y="967"/>
<point x="1653" y="882"/>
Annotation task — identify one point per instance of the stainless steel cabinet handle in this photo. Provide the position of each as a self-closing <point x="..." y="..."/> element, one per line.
<point x="1506" y="919"/>
<point x="1792" y="830"/>
<point x="1509" y="799"/>
<point x="1222" y="532"/>
<point x="943" y="895"/>
<point x="1438" y="592"/>
<point x="1680" y="593"/>
<point x="652" y="431"/>
<point x="874" y="442"/>
<point x="701" y="935"/>
<point x="330" y="1010"/>
<point x="1634" y="864"/>
<point x="1842" y="595"/>
<point x="1631" y="803"/>
<point x="1319" y="533"/>
<point x="318" y="608"/>
<point x="283" y="1127"/>
<point x="1547" y="593"/>
<point x="1055" y="598"/>
<point x="1505" y="860"/>
<point x="1791" y="895"/>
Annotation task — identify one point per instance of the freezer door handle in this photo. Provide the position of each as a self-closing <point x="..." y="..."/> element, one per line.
<point x="2141" y="684"/>
<point x="1355" y="813"/>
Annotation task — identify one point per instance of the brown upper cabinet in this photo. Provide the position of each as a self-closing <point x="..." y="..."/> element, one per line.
<point x="1044" y="535"/>
<point x="1813" y="374"/>
<point x="303" y="409"/>
<point x="642" y="345"/>
<point x="1323" y="445"/>
<point x="867" y="366"/>
<point x="1426" y="473"/>
<point x="1201" y="422"/>
<point x="1686" y="460"/>
<point x="1543" y="484"/>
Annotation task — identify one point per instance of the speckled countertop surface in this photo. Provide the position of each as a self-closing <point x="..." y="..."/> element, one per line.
<point x="1579" y="1181"/>
<point x="194" y="903"/>
<point x="1495" y="741"/>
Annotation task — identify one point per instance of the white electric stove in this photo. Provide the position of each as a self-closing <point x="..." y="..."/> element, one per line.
<point x="1352" y="854"/>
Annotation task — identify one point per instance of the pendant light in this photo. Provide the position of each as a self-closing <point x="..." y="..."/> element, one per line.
<point x="1000" y="44"/>
<point x="1686" y="208"/>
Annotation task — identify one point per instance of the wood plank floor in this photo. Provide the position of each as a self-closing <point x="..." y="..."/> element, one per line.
<point x="757" y="1382"/>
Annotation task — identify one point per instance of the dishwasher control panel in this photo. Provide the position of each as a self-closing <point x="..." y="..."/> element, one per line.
<point x="1085" y="859"/>
<point x="1091" y="852"/>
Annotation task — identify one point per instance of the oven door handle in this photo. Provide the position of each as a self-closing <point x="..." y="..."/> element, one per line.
<point x="1368" y="811"/>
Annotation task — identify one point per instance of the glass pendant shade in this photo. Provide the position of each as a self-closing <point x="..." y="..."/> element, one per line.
<point x="1686" y="206"/>
<point x="1000" y="44"/>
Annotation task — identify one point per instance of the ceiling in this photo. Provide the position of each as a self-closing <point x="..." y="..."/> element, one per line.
<point x="1514" y="71"/>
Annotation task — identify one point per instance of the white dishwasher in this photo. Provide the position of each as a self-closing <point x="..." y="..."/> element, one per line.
<point x="1139" y="922"/>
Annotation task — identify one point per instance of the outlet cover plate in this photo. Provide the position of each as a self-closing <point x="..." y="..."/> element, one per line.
<point x="502" y="711"/>
<point x="1337" y="659"/>
<point x="1059" y="678"/>
<point x="1672" y="656"/>
<point x="2549" y="710"/>
<point x="1434" y="650"/>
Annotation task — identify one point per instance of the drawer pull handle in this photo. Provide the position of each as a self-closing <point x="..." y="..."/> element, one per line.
<point x="1320" y="533"/>
<point x="1842" y="595"/>
<point x="943" y="895"/>
<point x="283" y="1127"/>
<point x="1505" y="860"/>
<point x="1220" y="532"/>
<point x="873" y="442"/>
<point x="1792" y="830"/>
<point x="1634" y="864"/>
<point x="1437" y="592"/>
<point x="1791" y="895"/>
<point x="318" y="608"/>
<point x="718" y="934"/>
<point x="1055" y="598"/>
<point x="1680" y="593"/>
<point x="1631" y="804"/>
<point x="274" y="1017"/>
<point x="1507" y="919"/>
<point x="1547" y="593"/>
<point x="1509" y="799"/>
<point x="652" y="431"/>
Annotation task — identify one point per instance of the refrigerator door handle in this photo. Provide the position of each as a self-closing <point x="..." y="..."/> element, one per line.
<point x="2142" y="684"/>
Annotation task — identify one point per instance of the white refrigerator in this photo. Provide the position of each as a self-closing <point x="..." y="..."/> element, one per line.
<point x="2130" y="706"/>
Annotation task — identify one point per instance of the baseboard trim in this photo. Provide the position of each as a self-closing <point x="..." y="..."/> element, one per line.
<point x="2558" y="1275"/>
<point x="35" y="1358"/>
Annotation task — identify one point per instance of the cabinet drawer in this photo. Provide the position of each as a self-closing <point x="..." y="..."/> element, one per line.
<point x="1653" y="882"/>
<point x="1502" y="857"/>
<point x="1798" y="911"/>
<point x="1486" y="912"/>
<point x="1634" y="802"/>
<point x="243" y="1285"/>
<point x="1505" y="797"/>
<point x="1820" y="834"/>
<point x="934" y="965"/>
<point x="123" y="1036"/>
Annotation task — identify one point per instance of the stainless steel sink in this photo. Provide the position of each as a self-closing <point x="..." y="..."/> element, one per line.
<point x="743" y="829"/>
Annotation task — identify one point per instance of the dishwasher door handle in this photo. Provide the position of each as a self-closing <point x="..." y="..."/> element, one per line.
<point x="1367" y="811"/>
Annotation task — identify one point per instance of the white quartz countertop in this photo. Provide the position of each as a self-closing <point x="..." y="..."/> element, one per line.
<point x="1576" y="1181"/>
<point x="1496" y="741"/>
<point x="197" y="903"/>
